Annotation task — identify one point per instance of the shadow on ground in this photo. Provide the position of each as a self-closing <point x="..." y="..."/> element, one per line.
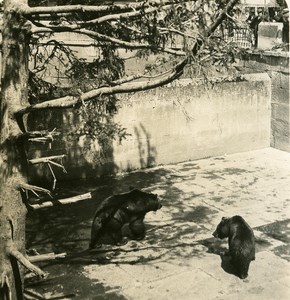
<point x="181" y="229"/>
<point x="66" y="228"/>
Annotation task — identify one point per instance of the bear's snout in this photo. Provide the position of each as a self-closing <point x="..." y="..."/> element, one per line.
<point x="157" y="206"/>
<point x="215" y="234"/>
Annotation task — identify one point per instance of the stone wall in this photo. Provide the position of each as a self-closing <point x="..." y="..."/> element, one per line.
<point x="276" y="65"/>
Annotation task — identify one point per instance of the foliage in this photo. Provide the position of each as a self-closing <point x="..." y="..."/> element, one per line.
<point x="103" y="70"/>
<point x="159" y="33"/>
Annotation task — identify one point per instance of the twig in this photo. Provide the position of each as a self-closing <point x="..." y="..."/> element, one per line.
<point x="47" y="159"/>
<point x="62" y="201"/>
<point x="41" y="140"/>
<point x="41" y="136"/>
<point x="128" y="45"/>
<point x="32" y="295"/>
<point x="58" y="165"/>
<point x="29" y="11"/>
<point x="34" y="188"/>
<point x="54" y="178"/>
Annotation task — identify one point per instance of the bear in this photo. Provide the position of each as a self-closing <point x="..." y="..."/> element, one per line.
<point x="117" y="210"/>
<point x="241" y="241"/>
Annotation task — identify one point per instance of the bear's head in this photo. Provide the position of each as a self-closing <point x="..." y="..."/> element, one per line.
<point x="223" y="228"/>
<point x="142" y="202"/>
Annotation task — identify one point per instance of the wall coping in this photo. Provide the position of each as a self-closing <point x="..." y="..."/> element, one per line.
<point x="284" y="54"/>
<point x="199" y="81"/>
<point x="266" y="60"/>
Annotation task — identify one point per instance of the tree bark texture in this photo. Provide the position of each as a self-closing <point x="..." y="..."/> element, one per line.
<point x="13" y="96"/>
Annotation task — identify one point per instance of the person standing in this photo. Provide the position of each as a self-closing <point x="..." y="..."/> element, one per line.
<point x="285" y="30"/>
<point x="254" y="25"/>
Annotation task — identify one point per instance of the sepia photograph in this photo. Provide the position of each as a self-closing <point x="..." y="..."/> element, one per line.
<point x="144" y="150"/>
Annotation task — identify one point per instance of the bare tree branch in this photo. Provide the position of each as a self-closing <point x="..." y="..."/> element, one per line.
<point x="38" y="30"/>
<point x="47" y="256"/>
<point x="29" y="11"/>
<point x="41" y="134"/>
<point x="34" y="189"/>
<point x="122" y="44"/>
<point x="39" y="10"/>
<point x="72" y="101"/>
<point x="69" y="200"/>
<point x="128" y="79"/>
<point x="128" y="45"/>
<point x="172" y="30"/>
<point x="45" y="159"/>
<point x="127" y="15"/>
<point x="30" y="294"/>
<point x="106" y="38"/>
<point x="38" y="27"/>
<point x="99" y="20"/>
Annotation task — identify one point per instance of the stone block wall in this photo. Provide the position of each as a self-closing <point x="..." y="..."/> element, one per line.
<point x="276" y="65"/>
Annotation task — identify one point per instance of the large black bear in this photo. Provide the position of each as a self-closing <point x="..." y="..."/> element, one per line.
<point x="241" y="243"/>
<point x="117" y="210"/>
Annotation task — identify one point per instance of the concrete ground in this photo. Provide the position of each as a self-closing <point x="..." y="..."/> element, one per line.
<point x="179" y="258"/>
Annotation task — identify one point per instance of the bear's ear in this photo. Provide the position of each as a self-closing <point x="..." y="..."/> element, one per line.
<point x="224" y="218"/>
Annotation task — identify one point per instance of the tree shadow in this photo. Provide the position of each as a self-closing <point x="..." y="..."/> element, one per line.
<point x="66" y="228"/>
<point x="83" y="157"/>
<point x="147" y="152"/>
<point x="174" y="234"/>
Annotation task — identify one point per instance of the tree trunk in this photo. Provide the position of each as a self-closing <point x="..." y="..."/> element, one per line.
<point x="13" y="97"/>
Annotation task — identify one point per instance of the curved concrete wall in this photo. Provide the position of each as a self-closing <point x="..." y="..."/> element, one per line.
<point x="180" y="122"/>
<point x="188" y="121"/>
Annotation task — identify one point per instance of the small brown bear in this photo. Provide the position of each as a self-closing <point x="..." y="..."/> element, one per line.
<point x="117" y="210"/>
<point x="241" y="243"/>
